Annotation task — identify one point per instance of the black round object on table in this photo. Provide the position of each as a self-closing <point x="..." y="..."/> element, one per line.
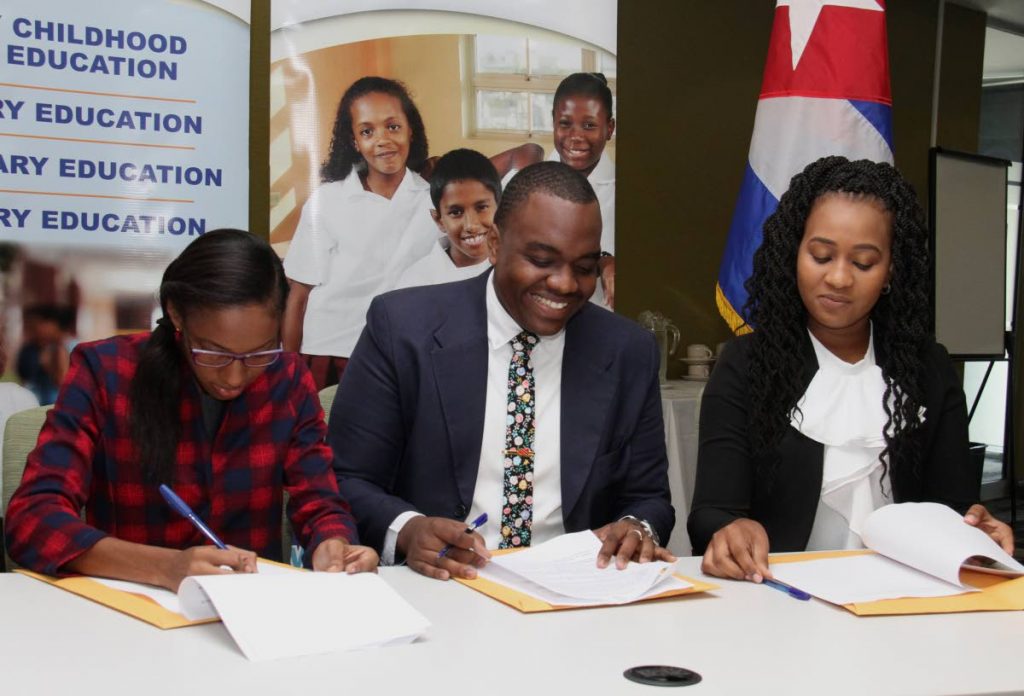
<point x="662" y="675"/>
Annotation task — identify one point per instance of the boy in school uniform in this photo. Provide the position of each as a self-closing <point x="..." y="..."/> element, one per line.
<point x="465" y="189"/>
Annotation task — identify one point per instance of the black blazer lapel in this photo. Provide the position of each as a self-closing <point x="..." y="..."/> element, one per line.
<point x="587" y="395"/>
<point x="459" y="360"/>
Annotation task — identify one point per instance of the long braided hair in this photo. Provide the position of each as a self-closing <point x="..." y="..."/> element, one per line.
<point x="900" y="318"/>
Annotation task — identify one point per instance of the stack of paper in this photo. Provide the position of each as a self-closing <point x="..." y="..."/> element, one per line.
<point x="273" y="615"/>
<point x="564" y="572"/>
<point x="920" y="551"/>
<point x="276" y="612"/>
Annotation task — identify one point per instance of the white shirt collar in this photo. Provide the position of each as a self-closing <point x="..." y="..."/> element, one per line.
<point x="352" y="185"/>
<point x="603" y="172"/>
<point x="501" y="327"/>
<point x="827" y="360"/>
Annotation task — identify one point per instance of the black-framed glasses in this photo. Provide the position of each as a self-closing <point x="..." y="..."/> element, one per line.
<point x="219" y="358"/>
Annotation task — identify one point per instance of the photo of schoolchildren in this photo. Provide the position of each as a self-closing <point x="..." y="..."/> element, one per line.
<point x="367" y="223"/>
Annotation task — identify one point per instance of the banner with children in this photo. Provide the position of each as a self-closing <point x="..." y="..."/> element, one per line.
<point x="124" y="136"/>
<point x="394" y="126"/>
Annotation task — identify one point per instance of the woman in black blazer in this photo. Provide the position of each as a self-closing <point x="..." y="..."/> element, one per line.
<point x="841" y="275"/>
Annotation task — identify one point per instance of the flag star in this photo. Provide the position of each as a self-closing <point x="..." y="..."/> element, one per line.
<point x="803" y="15"/>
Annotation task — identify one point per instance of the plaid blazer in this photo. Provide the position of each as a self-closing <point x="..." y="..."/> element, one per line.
<point x="271" y="439"/>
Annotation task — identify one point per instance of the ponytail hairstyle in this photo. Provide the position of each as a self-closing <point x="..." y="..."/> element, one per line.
<point x="343" y="155"/>
<point x="586" y="84"/>
<point x="223" y="268"/>
<point x="900" y="318"/>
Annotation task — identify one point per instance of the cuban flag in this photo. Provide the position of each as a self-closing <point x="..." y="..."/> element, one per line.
<point x="825" y="92"/>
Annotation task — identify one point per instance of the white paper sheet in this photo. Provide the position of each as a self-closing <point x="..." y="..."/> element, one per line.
<point x="932" y="538"/>
<point x="564" y="571"/>
<point x="169" y="600"/>
<point x="275" y="615"/>
<point x="863" y="578"/>
<point x="920" y="548"/>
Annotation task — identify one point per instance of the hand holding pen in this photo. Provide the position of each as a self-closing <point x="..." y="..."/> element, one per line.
<point x="203" y="560"/>
<point x="442" y="548"/>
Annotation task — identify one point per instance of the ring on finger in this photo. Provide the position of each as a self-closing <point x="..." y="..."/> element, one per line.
<point x="638" y="533"/>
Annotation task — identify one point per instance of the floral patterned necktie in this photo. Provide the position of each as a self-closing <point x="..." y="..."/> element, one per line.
<point x="517" y="503"/>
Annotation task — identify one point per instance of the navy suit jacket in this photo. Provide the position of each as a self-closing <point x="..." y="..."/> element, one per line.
<point x="407" y="422"/>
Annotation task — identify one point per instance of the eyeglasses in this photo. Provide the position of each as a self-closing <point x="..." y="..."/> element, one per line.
<point x="217" y="358"/>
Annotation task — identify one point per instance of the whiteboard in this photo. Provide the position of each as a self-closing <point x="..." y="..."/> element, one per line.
<point x="968" y="206"/>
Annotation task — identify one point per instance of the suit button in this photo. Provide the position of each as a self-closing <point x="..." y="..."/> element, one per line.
<point x="461" y="511"/>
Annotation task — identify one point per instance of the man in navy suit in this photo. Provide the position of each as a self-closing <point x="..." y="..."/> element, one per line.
<point x="507" y="394"/>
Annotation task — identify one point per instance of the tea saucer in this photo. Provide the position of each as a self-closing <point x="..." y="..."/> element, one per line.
<point x="697" y="361"/>
<point x="693" y="378"/>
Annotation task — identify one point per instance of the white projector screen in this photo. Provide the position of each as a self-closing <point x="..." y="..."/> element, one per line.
<point x="968" y="205"/>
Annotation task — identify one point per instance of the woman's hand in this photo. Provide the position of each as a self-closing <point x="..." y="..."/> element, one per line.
<point x="336" y="555"/>
<point x="205" y="560"/>
<point x="739" y="550"/>
<point x="978" y="516"/>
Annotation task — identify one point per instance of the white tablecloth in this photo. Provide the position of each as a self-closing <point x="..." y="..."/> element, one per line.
<point x="680" y="402"/>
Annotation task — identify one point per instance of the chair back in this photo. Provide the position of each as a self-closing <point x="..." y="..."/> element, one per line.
<point x="20" y="436"/>
<point x="327" y="400"/>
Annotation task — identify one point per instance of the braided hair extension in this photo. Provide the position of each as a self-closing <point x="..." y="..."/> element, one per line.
<point x="899" y="318"/>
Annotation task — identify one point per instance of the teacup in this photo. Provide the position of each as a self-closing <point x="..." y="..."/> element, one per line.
<point x="698" y="351"/>
<point x="700" y="371"/>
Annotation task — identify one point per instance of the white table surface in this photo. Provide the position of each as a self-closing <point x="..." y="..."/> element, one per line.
<point x="742" y="639"/>
<point x="680" y="405"/>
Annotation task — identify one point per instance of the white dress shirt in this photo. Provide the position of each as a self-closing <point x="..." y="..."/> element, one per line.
<point x="547" y="465"/>
<point x="842" y="409"/>
<point x="438" y="267"/>
<point x="351" y="245"/>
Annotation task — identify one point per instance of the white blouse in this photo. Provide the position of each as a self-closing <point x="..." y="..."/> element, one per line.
<point x="842" y="409"/>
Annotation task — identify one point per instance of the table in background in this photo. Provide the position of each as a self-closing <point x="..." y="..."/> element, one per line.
<point x="743" y="638"/>
<point x="680" y="404"/>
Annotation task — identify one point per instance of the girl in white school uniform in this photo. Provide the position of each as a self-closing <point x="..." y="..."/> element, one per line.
<point x="362" y="228"/>
<point x="840" y="401"/>
<point x="465" y="189"/>
<point x="583" y="124"/>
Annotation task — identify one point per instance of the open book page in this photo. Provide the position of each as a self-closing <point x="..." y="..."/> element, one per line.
<point x="861" y="578"/>
<point x="275" y="615"/>
<point x="932" y="538"/>
<point x="169" y="600"/>
<point x="564" y="571"/>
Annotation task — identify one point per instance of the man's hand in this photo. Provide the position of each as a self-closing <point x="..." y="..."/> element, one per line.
<point x="739" y="550"/>
<point x="336" y="555"/>
<point x="422" y="538"/>
<point x="627" y="540"/>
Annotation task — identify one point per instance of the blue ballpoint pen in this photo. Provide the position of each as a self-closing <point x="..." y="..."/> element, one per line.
<point x="788" y="589"/>
<point x="478" y="522"/>
<point x="185" y="511"/>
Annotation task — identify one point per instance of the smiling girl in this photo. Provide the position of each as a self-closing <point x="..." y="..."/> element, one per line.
<point x="367" y="223"/>
<point x="208" y="404"/>
<point x="840" y="401"/>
